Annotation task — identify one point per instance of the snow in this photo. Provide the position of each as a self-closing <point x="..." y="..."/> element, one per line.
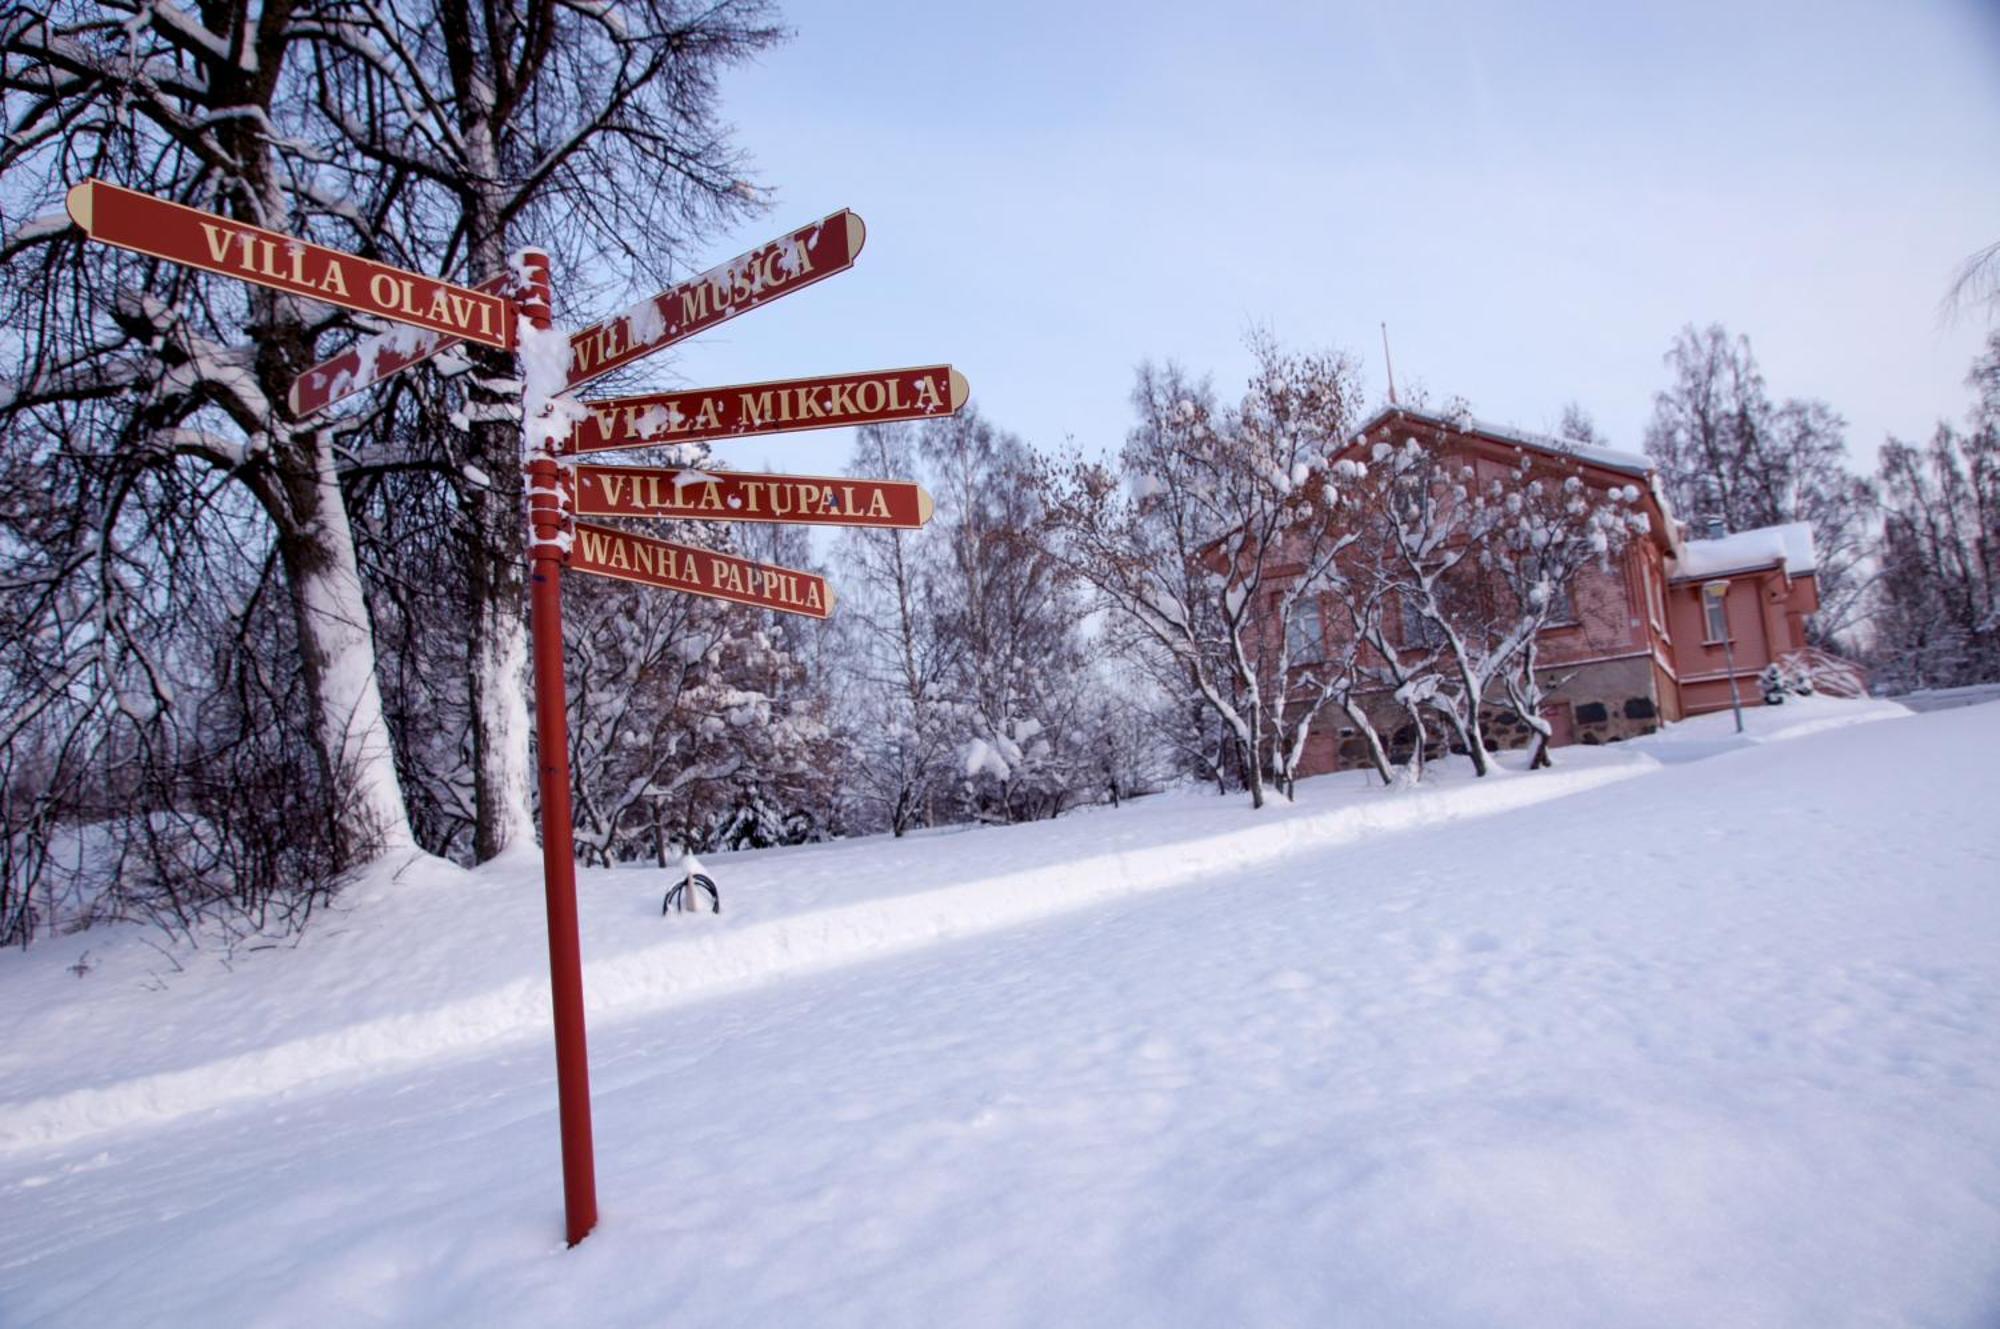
<point x="645" y="323"/>
<point x="1696" y="1030"/>
<point x="1610" y="458"/>
<point x="1790" y="544"/>
<point x="983" y="757"/>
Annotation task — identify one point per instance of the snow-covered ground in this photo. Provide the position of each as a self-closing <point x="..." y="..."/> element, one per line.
<point x="1716" y="1044"/>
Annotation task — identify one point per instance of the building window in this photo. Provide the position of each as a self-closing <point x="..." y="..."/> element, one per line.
<point x="1717" y="612"/>
<point x="1420" y="632"/>
<point x="1562" y="606"/>
<point x="1304" y="636"/>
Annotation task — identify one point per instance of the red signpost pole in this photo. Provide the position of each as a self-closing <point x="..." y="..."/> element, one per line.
<point x="548" y="541"/>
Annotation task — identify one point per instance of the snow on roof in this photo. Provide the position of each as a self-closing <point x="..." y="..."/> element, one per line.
<point x="1790" y="544"/>
<point x="1610" y="459"/>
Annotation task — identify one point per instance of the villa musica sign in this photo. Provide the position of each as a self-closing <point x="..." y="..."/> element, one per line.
<point x="786" y="264"/>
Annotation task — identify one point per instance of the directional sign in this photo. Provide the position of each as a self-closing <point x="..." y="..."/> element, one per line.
<point x="777" y="407"/>
<point x="613" y="553"/>
<point x="374" y="358"/>
<point x="786" y="264"/>
<point x="812" y="500"/>
<point x="153" y="226"/>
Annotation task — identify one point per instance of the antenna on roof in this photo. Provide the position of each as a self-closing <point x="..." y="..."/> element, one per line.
<point x="1390" y="363"/>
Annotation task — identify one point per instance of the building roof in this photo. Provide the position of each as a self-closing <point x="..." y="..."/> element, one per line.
<point x="1611" y="459"/>
<point x="1789" y="545"/>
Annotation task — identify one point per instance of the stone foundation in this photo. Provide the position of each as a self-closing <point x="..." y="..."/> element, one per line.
<point x="1606" y="702"/>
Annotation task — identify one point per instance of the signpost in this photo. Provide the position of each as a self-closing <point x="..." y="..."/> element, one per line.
<point x="505" y="312"/>
<point x="548" y="534"/>
<point x="643" y="491"/>
<point x="155" y="227"/>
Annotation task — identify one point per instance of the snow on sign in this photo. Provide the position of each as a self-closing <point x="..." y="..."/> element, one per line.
<point x="160" y="229"/>
<point x="642" y="491"/>
<point x="786" y="264"/>
<point x="375" y="358"/>
<point x="609" y="552"/>
<point x="777" y="407"/>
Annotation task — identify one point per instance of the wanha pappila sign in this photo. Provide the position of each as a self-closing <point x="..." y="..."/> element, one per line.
<point x="609" y="552"/>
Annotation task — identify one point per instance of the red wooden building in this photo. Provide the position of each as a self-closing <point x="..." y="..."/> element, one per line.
<point x="1640" y="644"/>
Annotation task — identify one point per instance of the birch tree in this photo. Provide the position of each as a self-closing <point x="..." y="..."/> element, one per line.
<point x="1725" y="450"/>
<point x="897" y="660"/>
<point x="135" y="387"/>
<point x="1017" y="670"/>
<point x="1937" y="622"/>
<point x="433" y="136"/>
<point x="587" y="129"/>
<point x="1219" y="530"/>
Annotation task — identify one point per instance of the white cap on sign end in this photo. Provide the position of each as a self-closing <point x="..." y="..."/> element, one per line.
<point x="79" y="203"/>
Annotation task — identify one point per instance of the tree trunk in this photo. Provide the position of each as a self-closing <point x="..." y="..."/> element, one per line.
<point x="1253" y="770"/>
<point x="496" y="548"/>
<point x="1366" y="728"/>
<point x="497" y="649"/>
<point x="337" y="649"/>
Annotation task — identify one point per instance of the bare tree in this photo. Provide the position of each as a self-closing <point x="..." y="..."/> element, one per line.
<point x="1436" y="519"/>
<point x="1977" y="281"/>
<point x="897" y="658"/>
<point x="1218" y="537"/>
<point x="435" y="136"/>
<point x="1937" y="622"/>
<point x="1010" y="609"/>
<point x="1477" y="558"/>
<point x="588" y="129"/>
<point x="1578" y="426"/>
<point x="1725" y="451"/>
<point x="1297" y="412"/>
<point x="139" y="391"/>
<point x="1557" y="526"/>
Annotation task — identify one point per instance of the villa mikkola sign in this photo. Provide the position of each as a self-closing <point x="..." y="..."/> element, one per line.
<point x="159" y="229"/>
<point x="789" y="263"/>
<point x="609" y="552"/>
<point x="647" y="491"/>
<point x="777" y="407"/>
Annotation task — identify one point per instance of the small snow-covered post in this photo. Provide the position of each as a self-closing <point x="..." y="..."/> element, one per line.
<point x="545" y="366"/>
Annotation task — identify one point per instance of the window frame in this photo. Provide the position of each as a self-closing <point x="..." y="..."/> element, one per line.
<point x="1711" y="605"/>
<point x="1305" y="608"/>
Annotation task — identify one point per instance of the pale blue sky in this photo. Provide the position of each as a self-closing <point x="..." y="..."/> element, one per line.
<point x="1535" y="197"/>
